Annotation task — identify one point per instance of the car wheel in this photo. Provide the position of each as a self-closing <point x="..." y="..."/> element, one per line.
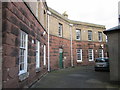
<point x="95" y="69"/>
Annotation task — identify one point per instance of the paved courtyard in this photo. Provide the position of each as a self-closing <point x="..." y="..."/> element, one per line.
<point x="78" y="77"/>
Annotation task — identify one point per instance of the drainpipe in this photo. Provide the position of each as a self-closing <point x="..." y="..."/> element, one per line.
<point x="71" y="44"/>
<point x="48" y="23"/>
<point x="1" y="60"/>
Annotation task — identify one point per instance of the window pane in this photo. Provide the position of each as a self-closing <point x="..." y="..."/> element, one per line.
<point x="23" y="52"/>
<point x="79" y="54"/>
<point x="90" y="53"/>
<point x="60" y="30"/>
<point x="100" y="36"/>
<point x="89" y="35"/>
<point x="78" y="34"/>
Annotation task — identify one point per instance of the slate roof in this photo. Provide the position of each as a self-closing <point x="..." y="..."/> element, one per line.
<point x="116" y="28"/>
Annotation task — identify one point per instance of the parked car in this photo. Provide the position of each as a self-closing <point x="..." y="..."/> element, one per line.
<point x="102" y="64"/>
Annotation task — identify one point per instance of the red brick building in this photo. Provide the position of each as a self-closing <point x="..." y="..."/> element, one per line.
<point x="74" y="43"/>
<point x="24" y="45"/>
<point x="27" y="48"/>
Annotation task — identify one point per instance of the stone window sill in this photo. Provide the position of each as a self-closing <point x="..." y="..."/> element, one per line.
<point x="37" y="69"/>
<point x="23" y="76"/>
<point x="79" y="61"/>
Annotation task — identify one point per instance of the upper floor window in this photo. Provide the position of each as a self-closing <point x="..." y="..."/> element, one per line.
<point x="23" y="53"/>
<point x="91" y="55"/>
<point x="89" y="35"/>
<point x="60" y="30"/>
<point x="100" y="36"/>
<point x="78" y="34"/>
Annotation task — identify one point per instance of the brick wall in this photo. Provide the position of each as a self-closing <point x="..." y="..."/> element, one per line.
<point x="85" y="46"/>
<point x="16" y="17"/>
<point x="57" y="42"/>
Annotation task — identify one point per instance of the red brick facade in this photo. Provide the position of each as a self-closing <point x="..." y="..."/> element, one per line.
<point x="58" y="42"/>
<point x="55" y="44"/>
<point x="17" y="17"/>
<point x="85" y="45"/>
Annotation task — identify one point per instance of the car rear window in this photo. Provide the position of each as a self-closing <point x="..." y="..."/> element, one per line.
<point x="101" y="60"/>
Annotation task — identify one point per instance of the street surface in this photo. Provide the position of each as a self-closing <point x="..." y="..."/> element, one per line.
<point x="78" y="77"/>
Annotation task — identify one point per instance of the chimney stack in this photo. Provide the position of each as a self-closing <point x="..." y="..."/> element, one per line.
<point x="65" y="14"/>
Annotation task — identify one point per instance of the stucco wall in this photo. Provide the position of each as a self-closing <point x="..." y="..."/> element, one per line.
<point x="113" y="46"/>
<point x="84" y="32"/>
<point x="57" y="18"/>
<point x="54" y="24"/>
<point x="42" y="11"/>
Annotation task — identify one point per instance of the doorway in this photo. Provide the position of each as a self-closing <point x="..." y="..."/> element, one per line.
<point x="60" y="58"/>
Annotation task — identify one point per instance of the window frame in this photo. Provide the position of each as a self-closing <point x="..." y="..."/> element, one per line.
<point x="90" y="34"/>
<point x="78" y="34"/>
<point x="37" y="54"/>
<point x="44" y="55"/>
<point x="80" y="53"/>
<point x="102" y="53"/>
<point x="92" y="53"/>
<point x="25" y="54"/>
<point x="60" y="30"/>
<point x="100" y="36"/>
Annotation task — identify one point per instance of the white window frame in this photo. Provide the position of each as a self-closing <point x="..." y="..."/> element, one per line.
<point x="101" y="52"/>
<point x="78" y="33"/>
<point x="44" y="55"/>
<point x="60" y="30"/>
<point x="23" y="56"/>
<point x="90" y="52"/>
<point x="100" y="36"/>
<point x="89" y="35"/>
<point x="79" y="53"/>
<point x="37" y="54"/>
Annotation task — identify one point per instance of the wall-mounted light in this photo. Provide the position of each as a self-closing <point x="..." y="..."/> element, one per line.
<point x="102" y="45"/>
<point x="44" y="33"/>
<point x="42" y="46"/>
<point x="95" y="50"/>
<point x="33" y="41"/>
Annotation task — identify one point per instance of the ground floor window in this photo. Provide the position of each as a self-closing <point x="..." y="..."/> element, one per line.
<point x="91" y="55"/>
<point x="79" y="55"/>
<point x="101" y="53"/>
<point x="44" y="55"/>
<point x="37" y="54"/>
<point x="23" y="53"/>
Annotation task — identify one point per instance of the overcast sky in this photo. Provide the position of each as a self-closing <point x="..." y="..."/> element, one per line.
<point x="103" y="12"/>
